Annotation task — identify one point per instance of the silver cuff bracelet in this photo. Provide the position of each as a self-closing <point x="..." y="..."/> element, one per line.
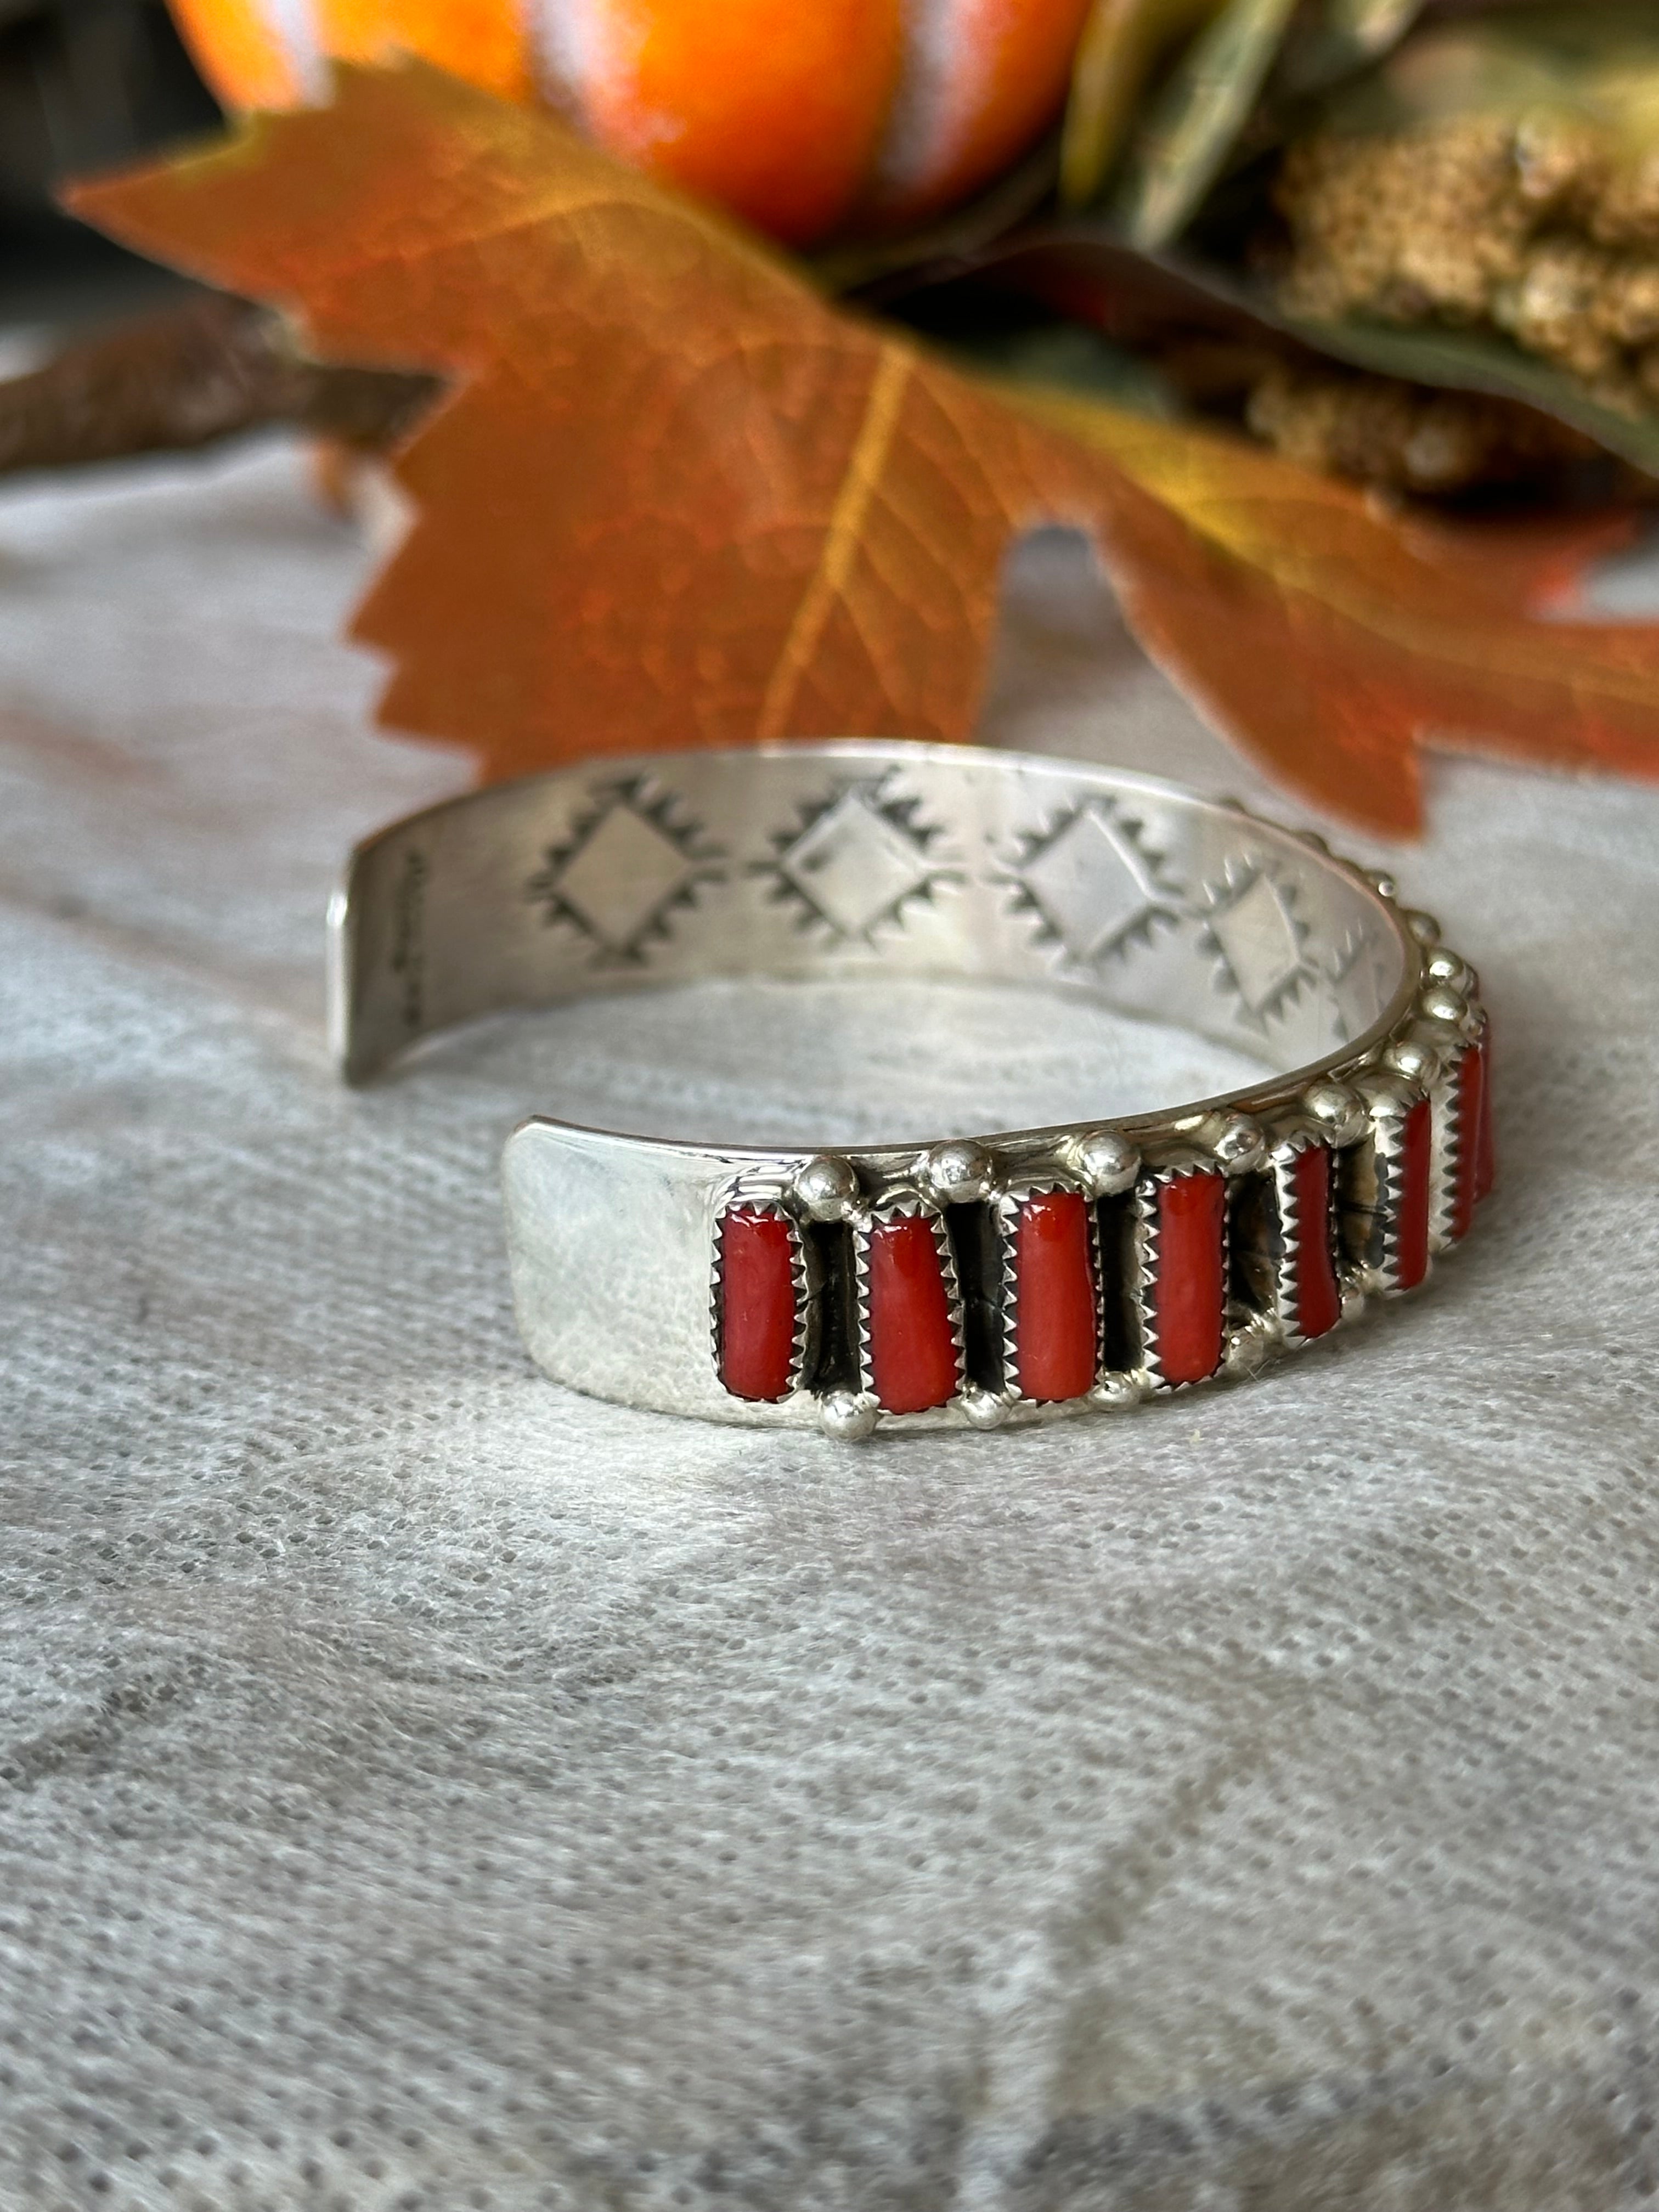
<point x="981" y="1279"/>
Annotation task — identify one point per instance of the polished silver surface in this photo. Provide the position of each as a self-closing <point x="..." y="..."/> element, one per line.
<point x="868" y="859"/>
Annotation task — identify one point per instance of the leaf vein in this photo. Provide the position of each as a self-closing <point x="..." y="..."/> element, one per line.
<point x="842" y="537"/>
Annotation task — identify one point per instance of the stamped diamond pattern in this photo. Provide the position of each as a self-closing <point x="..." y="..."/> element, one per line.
<point x="1259" y="942"/>
<point x="622" y="875"/>
<point x="1092" y="883"/>
<point x="854" y="865"/>
<point x="628" y="865"/>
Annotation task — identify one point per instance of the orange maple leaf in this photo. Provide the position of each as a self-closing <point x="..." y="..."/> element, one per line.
<point x="677" y="498"/>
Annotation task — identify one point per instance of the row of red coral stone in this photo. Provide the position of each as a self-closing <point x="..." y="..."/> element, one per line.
<point x="1178" y="1278"/>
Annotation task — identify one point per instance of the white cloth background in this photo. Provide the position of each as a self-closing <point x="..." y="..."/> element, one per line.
<point x="419" y="1787"/>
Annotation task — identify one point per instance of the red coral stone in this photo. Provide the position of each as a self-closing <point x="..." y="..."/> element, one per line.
<point x="1412" y="1199"/>
<point x="1318" y="1293"/>
<point x="1190" y="1294"/>
<point x="1054" y="1350"/>
<point x="757" y="1302"/>
<point x="913" y="1350"/>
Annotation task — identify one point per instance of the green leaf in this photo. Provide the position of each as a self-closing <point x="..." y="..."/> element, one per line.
<point x="1124" y="45"/>
<point x="1370" y="26"/>
<point x="1185" y="143"/>
<point x="1346" y="37"/>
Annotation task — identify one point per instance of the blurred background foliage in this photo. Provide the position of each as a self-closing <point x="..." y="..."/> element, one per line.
<point x="83" y="84"/>
<point x="1411" y="243"/>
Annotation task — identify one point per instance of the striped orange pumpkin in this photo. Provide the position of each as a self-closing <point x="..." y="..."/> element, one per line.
<point x="804" y="117"/>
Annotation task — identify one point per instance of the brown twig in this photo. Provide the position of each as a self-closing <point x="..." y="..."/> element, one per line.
<point x="189" y="377"/>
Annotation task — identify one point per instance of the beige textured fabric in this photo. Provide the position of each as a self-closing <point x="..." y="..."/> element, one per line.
<point x="421" y="1787"/>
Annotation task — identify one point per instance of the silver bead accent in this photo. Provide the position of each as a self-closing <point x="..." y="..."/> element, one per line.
<point x="1104" y="1161"/>
<point x="983" y="1409"/>
<point x="846" y="1417"/>
<point x="1447" y="1007"/>
<point x="1381" y="882"/>
<point x="1116" y="1394"/>
<point x="1248" y="1348"/>
<point x="1386" y="1089"/>
<point x="1340" y="1112"/>
<point x="1444" y="967"/>
<point x="1424" y="927"/>
<point x="957" y="1173"/>
<point x="1313" y="840"/>
<point x="827" y="1187"/>
<point x="1412" y="1057"/>
<point x="1238" y="1144"/>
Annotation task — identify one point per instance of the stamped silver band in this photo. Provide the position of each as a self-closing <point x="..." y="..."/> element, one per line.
<point x="995" y="1277"/>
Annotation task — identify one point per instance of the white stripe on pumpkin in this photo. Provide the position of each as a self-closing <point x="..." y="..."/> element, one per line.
<point x="294" y="23"/>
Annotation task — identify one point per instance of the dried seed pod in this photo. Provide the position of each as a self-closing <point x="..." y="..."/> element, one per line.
<point x="1499" y="177"/>
<point x="1380" y="430"/>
